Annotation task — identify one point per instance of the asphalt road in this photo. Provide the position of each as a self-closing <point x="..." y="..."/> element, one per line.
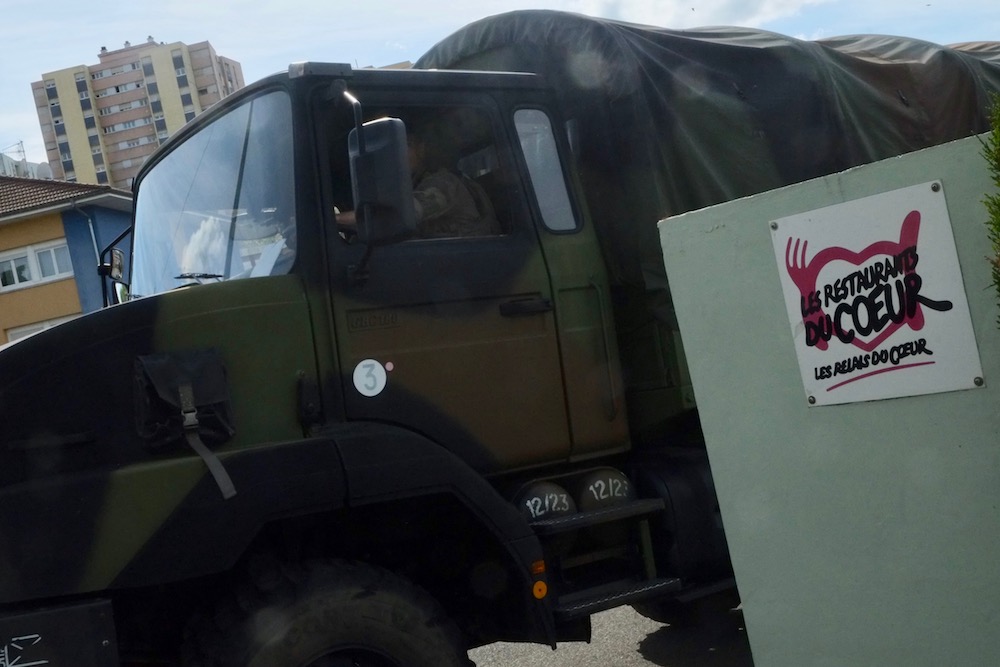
<point x="623" y="638"/>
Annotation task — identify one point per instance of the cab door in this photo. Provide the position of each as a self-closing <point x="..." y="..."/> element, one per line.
<point x="594" y="388"/>
<point x="456" y="338"/>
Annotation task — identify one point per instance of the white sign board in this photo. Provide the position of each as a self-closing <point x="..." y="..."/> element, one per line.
<point x="875" y="298"/>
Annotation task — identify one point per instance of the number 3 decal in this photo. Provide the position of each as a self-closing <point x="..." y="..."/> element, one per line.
<point x="369" y="378"/>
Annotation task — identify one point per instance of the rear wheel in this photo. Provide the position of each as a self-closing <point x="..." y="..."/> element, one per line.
<point x="326" y="614"/>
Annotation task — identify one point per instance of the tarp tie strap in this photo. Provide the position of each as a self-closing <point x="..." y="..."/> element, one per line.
<point x="190" y="414"/>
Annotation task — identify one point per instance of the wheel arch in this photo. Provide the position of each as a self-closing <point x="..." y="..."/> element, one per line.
<point x="352" y="479"/>
<point x="388" y="467"/>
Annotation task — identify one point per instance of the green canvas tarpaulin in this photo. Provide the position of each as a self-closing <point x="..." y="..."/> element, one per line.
<point x="667" y="121"/>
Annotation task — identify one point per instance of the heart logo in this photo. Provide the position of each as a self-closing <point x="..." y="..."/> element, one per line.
<point x="869" y="304"/>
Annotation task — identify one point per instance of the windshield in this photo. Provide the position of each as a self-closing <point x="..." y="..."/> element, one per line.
<point x="221" y="205"/>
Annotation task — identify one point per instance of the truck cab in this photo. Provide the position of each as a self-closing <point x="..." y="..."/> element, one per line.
<point x="500" y="346"/>
<point x="313" y="386"/>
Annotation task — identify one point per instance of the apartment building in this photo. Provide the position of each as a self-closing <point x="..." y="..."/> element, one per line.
<point x="51" y="235"/>
<point x="100" y="122"/>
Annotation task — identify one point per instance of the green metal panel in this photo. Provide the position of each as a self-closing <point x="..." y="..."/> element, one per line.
<point x="861" y="534"/>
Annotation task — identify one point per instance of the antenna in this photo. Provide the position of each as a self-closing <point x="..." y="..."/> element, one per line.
<point x="19" y="149"/>
<point x="19" y="168"/>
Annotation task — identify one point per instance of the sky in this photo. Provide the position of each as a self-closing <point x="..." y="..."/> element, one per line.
<point x="265" y="37"/>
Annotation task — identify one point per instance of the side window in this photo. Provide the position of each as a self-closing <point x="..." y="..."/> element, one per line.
<point x="458" y="184"/>
<point x="221" y="205"/>
<point x="539" y="147"/>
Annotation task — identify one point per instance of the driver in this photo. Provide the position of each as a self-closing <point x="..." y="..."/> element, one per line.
<point x="447" y="203"/>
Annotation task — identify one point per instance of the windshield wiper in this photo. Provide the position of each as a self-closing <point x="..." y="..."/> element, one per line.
<point x="198" y="276"/>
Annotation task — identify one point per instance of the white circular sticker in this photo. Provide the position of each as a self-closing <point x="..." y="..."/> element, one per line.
<point x="369" y="378"/>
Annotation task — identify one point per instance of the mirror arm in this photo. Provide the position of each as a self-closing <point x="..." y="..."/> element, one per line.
<point x="358" y="120"/>
<point x="359" y="123"/>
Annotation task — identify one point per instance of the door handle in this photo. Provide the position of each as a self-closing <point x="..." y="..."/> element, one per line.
<point x="528" y="306"/>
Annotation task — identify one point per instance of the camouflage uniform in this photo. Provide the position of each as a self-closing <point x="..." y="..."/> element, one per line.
<point x="450" y="205"/>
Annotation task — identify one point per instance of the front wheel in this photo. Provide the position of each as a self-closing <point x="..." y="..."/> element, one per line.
<point x="328" y="614"/>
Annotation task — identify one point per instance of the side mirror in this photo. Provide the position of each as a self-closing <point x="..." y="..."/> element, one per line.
<point x="111" y="264"/>
<point x="121" y="292"/>
<point x="381" y="182"/>
<point x="114" y="269"/>
<point x="117" y="268"/>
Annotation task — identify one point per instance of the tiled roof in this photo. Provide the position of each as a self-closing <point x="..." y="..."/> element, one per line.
<point x="23" y="194"/>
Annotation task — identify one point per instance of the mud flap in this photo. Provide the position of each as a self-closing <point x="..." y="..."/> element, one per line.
<point x="183" y="396"/>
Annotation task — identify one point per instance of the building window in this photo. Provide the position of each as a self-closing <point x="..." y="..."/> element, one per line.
<point x="186" y="99"/>
<point x="14" y="271"/>
<point x="189" y="116"/>
<point x="102" y="178"/>
<point x="51" y="93"/>
<point x="34" y="264"/>
<point x="147" y="69"/>
<point x="81" y="86"/>
<point x="127" y="125"/>
<point x="86" y="105"/>
<point x="115" y="108"/>
<point x="89" y="122"/>
<point x="123" y="88"/>
<point x="54" y="261"/>
<point x="156" y="106"/>
<point x="182" y="81"/>
<point x="94" y="140"/>
<point x="153" y="88"/>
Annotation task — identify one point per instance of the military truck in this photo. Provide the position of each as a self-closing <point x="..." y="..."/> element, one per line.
<point x="295" y="441"/>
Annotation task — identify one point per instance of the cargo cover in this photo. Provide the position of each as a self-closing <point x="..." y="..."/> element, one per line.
<point x="667" y="121"/>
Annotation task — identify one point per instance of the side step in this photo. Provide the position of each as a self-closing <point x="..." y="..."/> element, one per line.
<point x="586" y="602"/>
<point x="563" y="524"/>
